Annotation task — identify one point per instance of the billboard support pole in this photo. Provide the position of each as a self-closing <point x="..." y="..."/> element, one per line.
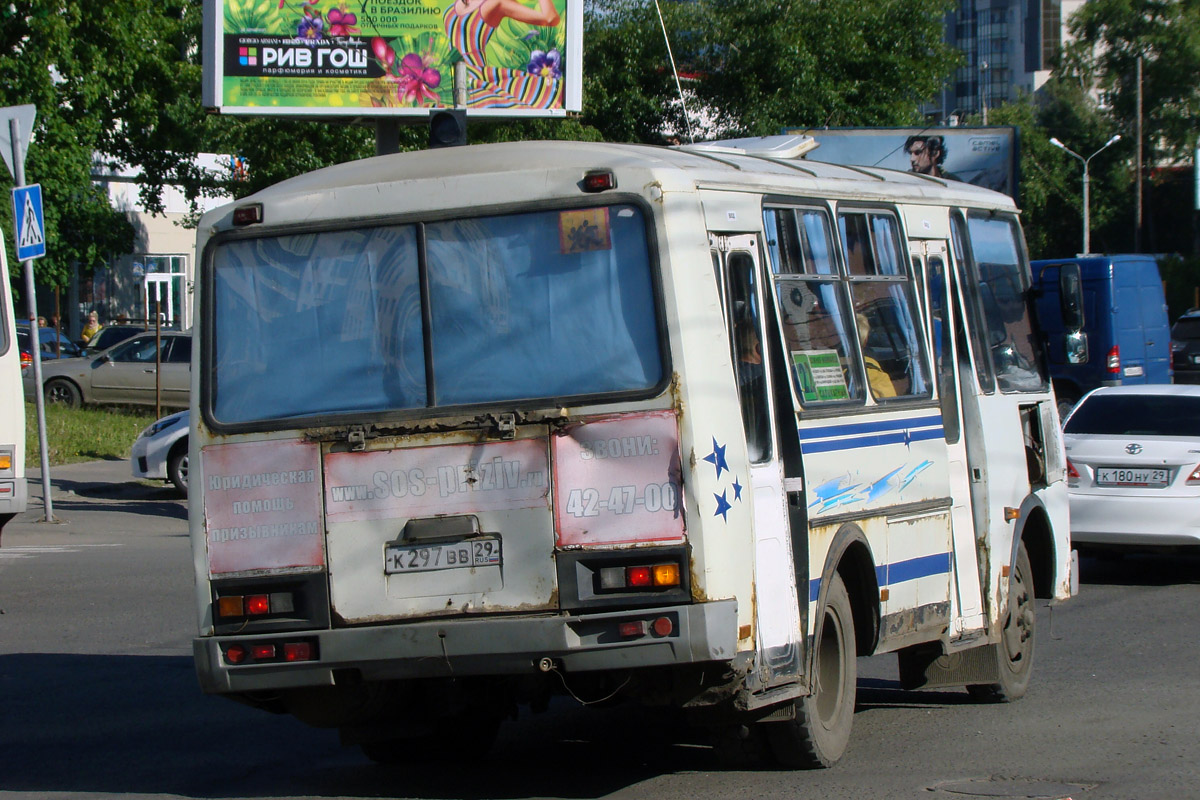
<point x="387" y="136"/>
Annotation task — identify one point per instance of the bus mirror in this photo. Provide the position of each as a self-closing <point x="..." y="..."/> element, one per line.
<point x="1075" y="345"/>
<point x="1070" y="298"/>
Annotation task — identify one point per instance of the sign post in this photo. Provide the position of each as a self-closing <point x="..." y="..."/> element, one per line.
<point x="16" y="125"/>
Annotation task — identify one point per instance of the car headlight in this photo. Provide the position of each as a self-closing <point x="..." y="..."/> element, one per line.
<point x="160" y="426"/>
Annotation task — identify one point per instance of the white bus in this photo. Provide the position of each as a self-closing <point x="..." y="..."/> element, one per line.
<point x="13" y="497"/>
<point x="686" y="426"/>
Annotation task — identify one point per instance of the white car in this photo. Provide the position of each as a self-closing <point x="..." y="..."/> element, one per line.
<point x="161" y="451"/>
<point x="1133" y="467"/>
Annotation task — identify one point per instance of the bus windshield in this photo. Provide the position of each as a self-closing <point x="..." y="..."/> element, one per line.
<point x="519" y="307"/>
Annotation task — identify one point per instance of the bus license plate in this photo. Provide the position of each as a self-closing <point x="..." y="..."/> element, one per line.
<point x="1112" y="476"/>
<point x="402" y="559"/>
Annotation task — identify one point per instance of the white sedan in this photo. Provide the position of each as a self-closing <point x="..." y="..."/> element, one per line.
<point x="1133" y="466"/>
<point x="161" y="451"/>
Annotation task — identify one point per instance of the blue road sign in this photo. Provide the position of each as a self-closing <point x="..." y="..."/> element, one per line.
<point x="31" y="227"/>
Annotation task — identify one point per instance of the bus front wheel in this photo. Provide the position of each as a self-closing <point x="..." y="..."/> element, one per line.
<point x="1014" y="652"/>
<point x="818" y="735"/>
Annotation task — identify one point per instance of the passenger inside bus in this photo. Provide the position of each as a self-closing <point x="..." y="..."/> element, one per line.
<point x="879" y="381"/>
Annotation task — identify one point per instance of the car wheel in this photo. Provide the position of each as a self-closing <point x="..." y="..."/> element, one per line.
<point x="63" y="392"/>
<point x="177" y="466"/>
<point x="1014" y="652"/>
<point x="818" y="735"/>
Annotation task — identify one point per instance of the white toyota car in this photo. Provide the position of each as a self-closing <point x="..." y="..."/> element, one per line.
<point x="1133" y="467"/>
<point x="161" y="451"/>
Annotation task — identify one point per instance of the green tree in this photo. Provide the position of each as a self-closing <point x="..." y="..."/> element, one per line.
<point x="1110" y="37"/>
<point x="1051" y="186"/>
<point x="57" y="59"/>
<point x="815" y="63"/>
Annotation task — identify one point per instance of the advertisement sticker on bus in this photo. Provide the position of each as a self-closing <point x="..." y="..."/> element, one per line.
<point x="262" y="505"/>
<point x="618" y="480"/>
<point x="424" y="481"/>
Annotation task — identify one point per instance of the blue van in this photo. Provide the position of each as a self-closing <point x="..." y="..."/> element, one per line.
<point x="1126" y="336"/>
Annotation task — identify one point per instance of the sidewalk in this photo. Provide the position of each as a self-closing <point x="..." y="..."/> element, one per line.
<point x="95" y="497"/>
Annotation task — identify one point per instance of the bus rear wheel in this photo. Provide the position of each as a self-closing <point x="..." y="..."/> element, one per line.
<point x="1014" y="652"/>
<point x="818" y="735"/>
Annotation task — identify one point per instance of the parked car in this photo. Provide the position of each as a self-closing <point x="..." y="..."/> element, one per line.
<point x="161" y="451"/>
<point x="1133" y="467"/>
<point x="124" y="373"/>
<point x="107" y="337"/>
<point x="53" y="345"/>
<point x="1185" y="347"/>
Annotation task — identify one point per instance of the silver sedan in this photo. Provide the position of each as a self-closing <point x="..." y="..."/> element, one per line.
<point x="122" y="374"/>
<point x="1133" y="467"/>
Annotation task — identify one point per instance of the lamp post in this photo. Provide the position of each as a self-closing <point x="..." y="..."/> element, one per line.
<point x="1087" y="238"/>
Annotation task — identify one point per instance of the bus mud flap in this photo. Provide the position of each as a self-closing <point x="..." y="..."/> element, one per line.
<point x="927" y="667"/>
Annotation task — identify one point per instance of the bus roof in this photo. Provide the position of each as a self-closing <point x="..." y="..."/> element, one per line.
<point x="714" y="168"/>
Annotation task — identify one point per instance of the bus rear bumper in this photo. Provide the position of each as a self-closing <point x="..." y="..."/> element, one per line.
<point x="479" y="646"/>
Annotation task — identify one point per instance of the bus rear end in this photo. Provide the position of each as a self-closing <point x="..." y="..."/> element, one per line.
<point x="439" y="466"/>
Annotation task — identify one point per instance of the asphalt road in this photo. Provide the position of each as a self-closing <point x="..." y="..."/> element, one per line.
<point x="98" y="697"/>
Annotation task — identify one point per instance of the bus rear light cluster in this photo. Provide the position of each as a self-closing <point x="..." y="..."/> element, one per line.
<point x="635" y="629"/>
<point x="237" y="606"/>
<point x="656" y="576"/>
<point x="270" y="652"/>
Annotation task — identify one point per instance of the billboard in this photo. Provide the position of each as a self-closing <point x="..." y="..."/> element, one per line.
<point x="987" y="157"/>
<point x="387" y="58"/>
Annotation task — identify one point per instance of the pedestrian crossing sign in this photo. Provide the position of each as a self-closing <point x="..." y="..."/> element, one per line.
<point x="31" y="227"/>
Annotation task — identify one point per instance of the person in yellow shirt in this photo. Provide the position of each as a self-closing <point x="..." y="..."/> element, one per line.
<point x="91" y="328"/>
<point x="879" y="381"/>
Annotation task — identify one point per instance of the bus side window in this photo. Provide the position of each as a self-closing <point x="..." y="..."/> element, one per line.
<point x="814" y="315"/>
<point x="884" y="306"/>
<point x="748" y="363"/>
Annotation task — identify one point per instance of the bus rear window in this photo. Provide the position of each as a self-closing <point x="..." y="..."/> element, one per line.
<point x="520" y="307"/>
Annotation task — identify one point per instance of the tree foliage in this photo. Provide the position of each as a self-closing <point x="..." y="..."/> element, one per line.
<point x="121" y="81"/>
<point x="819" y="63"/>
<point x="1110" y="37"/>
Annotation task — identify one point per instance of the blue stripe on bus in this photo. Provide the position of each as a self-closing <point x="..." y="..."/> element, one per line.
<point x="857" y="428"/>
<point x="900" y="572"/>
<point x="856" y="442"/>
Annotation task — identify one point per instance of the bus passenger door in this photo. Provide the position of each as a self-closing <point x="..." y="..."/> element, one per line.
<point x="777" y="611"/>
<point x="967" y="618"/>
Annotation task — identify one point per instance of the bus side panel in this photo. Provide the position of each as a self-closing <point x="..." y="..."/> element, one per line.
<point x="13" y="498"/>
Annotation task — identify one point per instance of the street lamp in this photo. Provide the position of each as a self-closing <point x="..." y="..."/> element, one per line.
<point x="1086" y="229"/>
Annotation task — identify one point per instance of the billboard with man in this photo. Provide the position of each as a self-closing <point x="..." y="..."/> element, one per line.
<point x="362" y="58"/>
<point x="982" y="156"/>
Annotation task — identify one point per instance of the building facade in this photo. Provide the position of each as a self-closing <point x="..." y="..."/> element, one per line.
<point x="156" y="278"/>
<point x="1009" y="46"/>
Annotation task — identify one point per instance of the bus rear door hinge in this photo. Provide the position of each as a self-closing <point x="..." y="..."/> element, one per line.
<point x="506" y="426"/>
<point x="357" y="436"/>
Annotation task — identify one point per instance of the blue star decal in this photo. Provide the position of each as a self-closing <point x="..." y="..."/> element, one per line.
<point x="737" y="490"/>
<point x="722" y="506"/>
<point x="717" y="457"/>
